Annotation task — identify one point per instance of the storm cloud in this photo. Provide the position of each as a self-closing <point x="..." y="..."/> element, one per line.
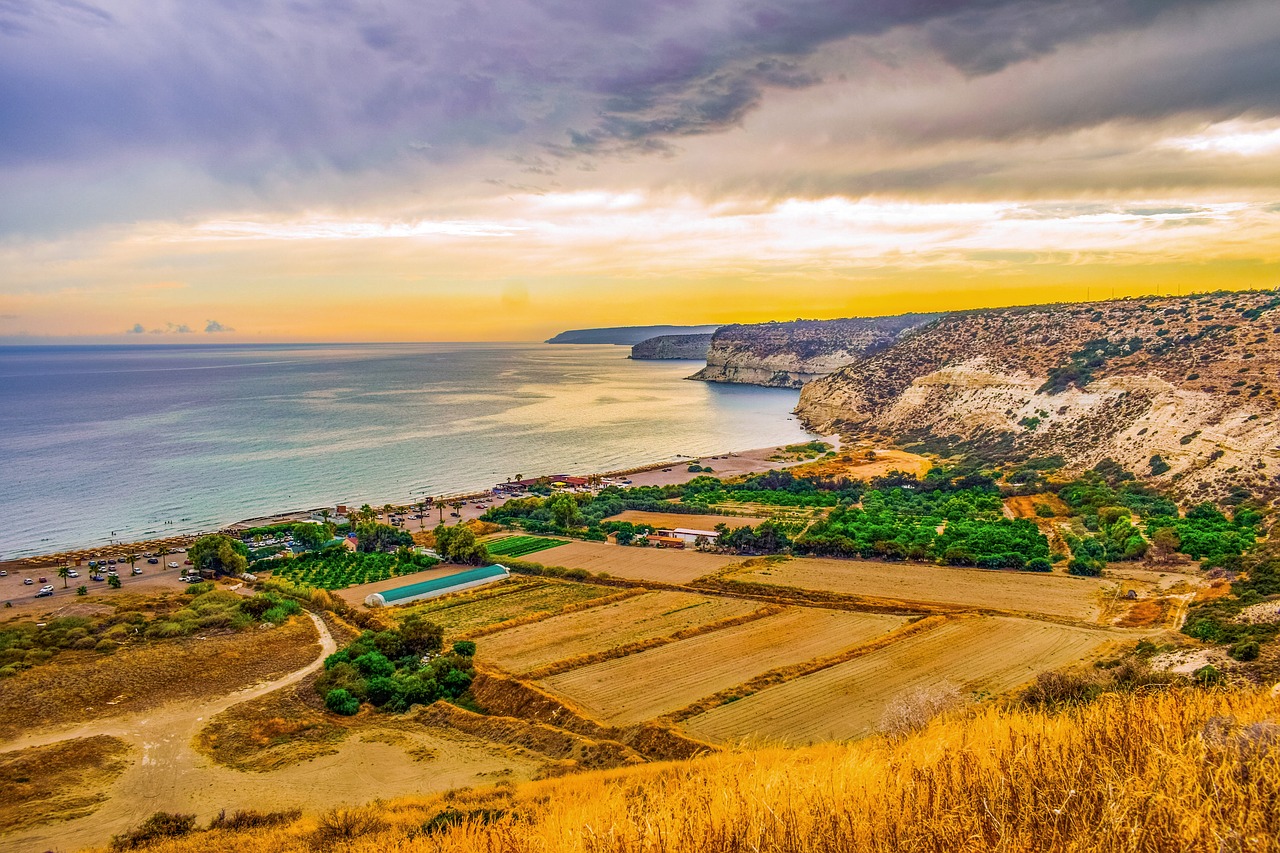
<point x="254" y="95"/>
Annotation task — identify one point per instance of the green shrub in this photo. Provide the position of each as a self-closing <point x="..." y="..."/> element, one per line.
<point x="159" y="826"/>
<point x="340" y="701"/>
<point x="1245" y="650"/>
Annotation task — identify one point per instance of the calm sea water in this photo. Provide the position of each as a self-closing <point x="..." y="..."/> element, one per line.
<point x="131" y="442"/>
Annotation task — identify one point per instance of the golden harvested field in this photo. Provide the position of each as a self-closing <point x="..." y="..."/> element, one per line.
<point x="658" y="681"/>
<point x="644" y="564"/>
<point x="61" y="781"/>
<point x="1022" y="592"/>
<point x="676" y="519"/>
<point x="847" y="700"/>
<point x="654" y="614"/>
<point x="81" y="686"/>
<point x="491" y="605"/>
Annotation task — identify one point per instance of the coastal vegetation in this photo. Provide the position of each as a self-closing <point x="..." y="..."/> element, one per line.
<point x="395" y="668"/>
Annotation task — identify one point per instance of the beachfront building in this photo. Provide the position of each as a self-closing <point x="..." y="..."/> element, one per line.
<point x="555" y="481"/>
<point x="689" y="536"/>
<point x="436" y="587"/>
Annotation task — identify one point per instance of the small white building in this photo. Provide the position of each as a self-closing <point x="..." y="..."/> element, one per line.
<point x="690" y="536"/>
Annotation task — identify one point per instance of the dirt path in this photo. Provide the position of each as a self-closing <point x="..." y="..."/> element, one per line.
<point x="164" y="762"/>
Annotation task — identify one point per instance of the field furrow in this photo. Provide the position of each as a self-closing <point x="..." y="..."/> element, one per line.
<point x="847" y="700"/>
<point x="648" y="684"/>
<point x="655" y="614"/>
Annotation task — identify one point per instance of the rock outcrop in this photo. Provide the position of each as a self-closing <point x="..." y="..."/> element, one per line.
<point x="671" y="347"/>
<point x="788" y="355"/>
<point x="1185" y="390"/>
<point x="625" y="335"/>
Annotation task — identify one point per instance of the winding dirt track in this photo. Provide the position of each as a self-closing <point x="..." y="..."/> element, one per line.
<point x="161" y="740"/>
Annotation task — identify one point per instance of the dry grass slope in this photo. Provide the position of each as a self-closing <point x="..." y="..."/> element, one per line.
<point x="62" y="781"/>
<point x="1165" y="771"/>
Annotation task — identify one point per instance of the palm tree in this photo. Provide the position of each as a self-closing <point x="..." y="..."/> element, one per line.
<point x="161" y="552"/>
<point x="64" y="573"/>
<point x="440" y="506"/>
<point x="422" y="514"/>
<point x="519" y="477"/>
<point x="133" y="559"/>
<point x="456" y="506"/>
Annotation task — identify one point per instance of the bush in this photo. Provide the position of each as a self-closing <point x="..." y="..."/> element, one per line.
<point x="466" y="648"/>
<point x="911" y="711"/>
<point x="1245" y="650"/>
<point x="1038" y="564"/>
<point x="340" y="701"/>
<point x="159" y="826"/>
<point x="250" y="819"/>
<point x="344" y="825"/>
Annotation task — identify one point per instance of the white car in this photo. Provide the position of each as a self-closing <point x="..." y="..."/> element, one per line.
<point x="173" y="565"/>
<point x="73" y="574"/>
<point x="48" y="588"/>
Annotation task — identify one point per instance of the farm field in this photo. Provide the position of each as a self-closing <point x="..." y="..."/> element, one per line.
<point x="339" y="571"/>
<point x="356" y="594"/>
<point x="520" y="546"/>
<point x="654" y="614"/>
<point x="634" y="563"/>
<point x="678" y="519"/>
<point x="648" y="684"/>
<point x="1025" y="592"/>
<point x="848" y="699"/>
<point x="486" y="606"/>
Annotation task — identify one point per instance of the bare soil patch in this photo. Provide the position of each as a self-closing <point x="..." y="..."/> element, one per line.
<point x="58" y="782"/>
<point x="635" y="563"/>
<point x="648" y="684"/>
<point x="676" y="519"/>
<point x="1018" y="592"/>
<point x="847" y="700"/>
<point x="81" y="686"/>
<point x="866" y="463"/>
<point x="654" y="614"/>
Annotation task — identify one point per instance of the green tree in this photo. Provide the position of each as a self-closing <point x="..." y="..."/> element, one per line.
<point x="82" y="590"/>
<point x="113" y="581"/>
<point x="565" y="511"/>
<point x="340" y="701"/>
<point x="64" y="573"/>
<point x="219" y="554"/>
<point x="310" y="536"/>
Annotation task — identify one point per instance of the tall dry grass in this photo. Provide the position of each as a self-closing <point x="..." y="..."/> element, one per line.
<point x="1169" y="771"/>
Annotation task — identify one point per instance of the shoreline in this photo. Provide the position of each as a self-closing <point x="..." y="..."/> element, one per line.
<point x="746" y="462"/>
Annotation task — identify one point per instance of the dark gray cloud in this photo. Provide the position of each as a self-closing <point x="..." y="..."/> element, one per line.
<point x="213" y="327"/>
<point x="259" y="96"/>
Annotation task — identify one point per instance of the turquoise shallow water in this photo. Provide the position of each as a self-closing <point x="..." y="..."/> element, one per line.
<point x="144" y="440"/>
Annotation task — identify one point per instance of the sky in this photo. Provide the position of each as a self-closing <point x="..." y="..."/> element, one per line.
<point x="365" y="170"/>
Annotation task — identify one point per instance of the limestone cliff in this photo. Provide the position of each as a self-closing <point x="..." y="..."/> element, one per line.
<point x="1185" y="389"/>
<point x="672" y="346"/>
<point x="790" y="354"/>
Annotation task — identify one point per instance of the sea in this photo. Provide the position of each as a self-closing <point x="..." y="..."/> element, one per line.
<point x="102" y="444"/>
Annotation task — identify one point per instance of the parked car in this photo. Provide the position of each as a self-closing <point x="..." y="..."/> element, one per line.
<point x="154" y="561"/>
<point x="44" y="580"/>
<point x="47" y="588"/>
<point x="28" y="581"/>
<point x="186" y="562"/>
<point x="96" y="577"/>
<point x="136" y="571"/>
<point x="3" y="573"/>
<point x="73" y="574"/>
<point x="44" y="591"/>
<point x="112" y="573"/>
<point x="173" y="565"/>
<point x="111" y="562"/>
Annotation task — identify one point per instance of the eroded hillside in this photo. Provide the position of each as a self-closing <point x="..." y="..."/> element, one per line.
<point x="1182" y="389"/>
<point x="790" y="354"/>
<point x="672" y="346"/>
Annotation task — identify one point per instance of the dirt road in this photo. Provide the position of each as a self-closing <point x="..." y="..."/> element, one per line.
<point x="164" y="768"/>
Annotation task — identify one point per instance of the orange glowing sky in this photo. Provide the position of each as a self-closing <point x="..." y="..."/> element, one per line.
<point x="181" y="175"/>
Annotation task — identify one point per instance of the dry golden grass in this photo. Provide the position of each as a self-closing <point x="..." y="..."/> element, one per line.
<point x="542" y="615"/>
<point x="1144" y="613"/>
<point x="81" y="686"/>
<point x="865" y="464"/>
<point x="272" y="731"/>
<point x="1175" y="771"/>
<point x="664" y="565"/>
<point x="61" y="781"/>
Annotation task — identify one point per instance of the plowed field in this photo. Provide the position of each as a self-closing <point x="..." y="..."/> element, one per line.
<point x="1021" y="592"/>
<point x="655" y="614"/>
<point x="847" y="700"/>
<point x="654" y="682"/>
<point x="629" y="561"/>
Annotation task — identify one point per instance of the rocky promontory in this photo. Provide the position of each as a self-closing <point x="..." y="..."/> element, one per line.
<point x="789" y="354"/>
<point x="672" y="347"/>
<point x="1185" y="390"/>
